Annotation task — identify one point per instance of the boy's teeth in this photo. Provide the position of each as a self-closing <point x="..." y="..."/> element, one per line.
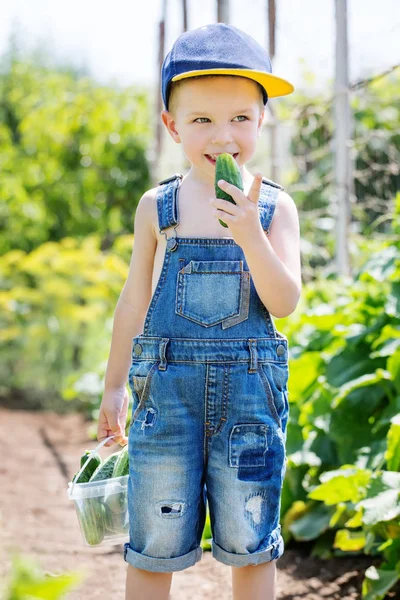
<point x="214" y="156"/>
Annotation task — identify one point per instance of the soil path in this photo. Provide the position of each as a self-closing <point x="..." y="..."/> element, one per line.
<point x="41" y="451"/>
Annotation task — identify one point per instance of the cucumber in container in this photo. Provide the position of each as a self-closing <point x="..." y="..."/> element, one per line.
<point x="99" y="491"/>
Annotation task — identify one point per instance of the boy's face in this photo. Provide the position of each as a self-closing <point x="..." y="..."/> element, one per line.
<point x="212" y="115"/>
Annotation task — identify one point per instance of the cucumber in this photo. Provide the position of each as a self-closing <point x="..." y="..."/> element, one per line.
<point x="117" y="503"/>
<point x="226" y="168"/>
<point x="90" y="468"/>
<point x="93" y="521"/>
<point x="121" y="466"/>
<point x="109" y="521"/>
<point x="115" y="523"/>
<point x="105" y="470"/>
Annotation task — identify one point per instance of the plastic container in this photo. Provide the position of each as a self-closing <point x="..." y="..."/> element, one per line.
<point x="101" y="507"/>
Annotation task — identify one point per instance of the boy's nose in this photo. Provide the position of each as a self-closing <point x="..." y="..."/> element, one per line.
<point x="222" y="135"/>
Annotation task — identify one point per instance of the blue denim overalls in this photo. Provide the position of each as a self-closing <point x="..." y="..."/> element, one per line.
<point x="210" y="406"/>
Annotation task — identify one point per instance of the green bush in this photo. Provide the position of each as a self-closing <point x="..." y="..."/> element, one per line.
<point x="57" y="304"/>
<point x="73" y="157"/>
<point x="374" y="152"/>
<point x="342" y="485"/>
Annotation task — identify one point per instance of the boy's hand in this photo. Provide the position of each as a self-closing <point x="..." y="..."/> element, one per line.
<point x="112" y="416"/>
<point x="242" y="218"/>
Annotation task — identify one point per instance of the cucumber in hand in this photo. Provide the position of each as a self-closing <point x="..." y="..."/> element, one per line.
<point x="226" y="168"/>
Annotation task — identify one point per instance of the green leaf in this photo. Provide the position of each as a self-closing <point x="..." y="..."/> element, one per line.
<point x="293" y="513"/>
<point x="392" y="455"/>
<point x="322" y="547"/>
<point x="312" y="524"/>
<point x="388" y="349"/>
<point x="393" y="363"/>
<point x="383" y="507"/>
<point x="303" y="372"/>
<point x="390" y="411"/>
<point x="292" y="489"/>
<point x="364" y="381"/>
<point x="355" y="520"/>
<point x="340" y="510"/>
<point x="378" y="582"/>
<point x="294" y="432"/>
<point x="371" y="456"/>
<point x="349" y="541"/>
<point x="392" y="551"/>
<point x="342" y="485"/>
<point x="349" y="372"/>
<point x="28" y="581"/>
<point x="351" y="421"/>
<point x="381" y="265"/>
<point x="382" y="501"/>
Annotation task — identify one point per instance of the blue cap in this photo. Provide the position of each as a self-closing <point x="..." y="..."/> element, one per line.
<point x="220" y="49"/>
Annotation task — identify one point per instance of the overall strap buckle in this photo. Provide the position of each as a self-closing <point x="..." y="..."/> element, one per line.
<point x="172" y="244"/>
<point x="172" y="178"/>
<point x="167" y="208"/>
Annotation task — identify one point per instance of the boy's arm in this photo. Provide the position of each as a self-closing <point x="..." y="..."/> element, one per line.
<point x="274" y="260"/>
<point x="135" y="297"/>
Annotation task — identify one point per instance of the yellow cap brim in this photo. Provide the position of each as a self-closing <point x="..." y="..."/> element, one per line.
<point x="275" y="86"/>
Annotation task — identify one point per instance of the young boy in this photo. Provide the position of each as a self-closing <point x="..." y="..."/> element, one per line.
<point x="209" y="369"/>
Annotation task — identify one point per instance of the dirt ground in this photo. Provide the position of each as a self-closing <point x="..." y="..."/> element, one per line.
<point x="41" y="452"/>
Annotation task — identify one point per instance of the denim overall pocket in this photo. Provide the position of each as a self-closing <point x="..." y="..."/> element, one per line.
<point x="274" y="378"/>
<point x="248" y="445"/>
<point x="209" y="292"/>
<point x="139" y="383"/>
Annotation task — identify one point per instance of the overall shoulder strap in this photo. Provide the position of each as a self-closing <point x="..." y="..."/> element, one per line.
<point x="167" y="207"/>
<point x="267" y="202"/>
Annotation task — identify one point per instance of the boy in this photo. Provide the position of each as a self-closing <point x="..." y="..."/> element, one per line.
<point x="209" y="369"/>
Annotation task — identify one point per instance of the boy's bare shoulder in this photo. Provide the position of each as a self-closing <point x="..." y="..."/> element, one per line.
<point x="147" y="210"/>
<point x="284" y="234"/>
<point x="137" y="289"/>
<point x="286" y="216"/>
<point x="285" y="203"/>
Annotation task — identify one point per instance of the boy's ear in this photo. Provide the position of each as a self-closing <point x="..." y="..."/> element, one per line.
<point x="169" y="122"/>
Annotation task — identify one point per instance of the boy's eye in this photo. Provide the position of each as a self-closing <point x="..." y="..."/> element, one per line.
<point x="206" y="119"/>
